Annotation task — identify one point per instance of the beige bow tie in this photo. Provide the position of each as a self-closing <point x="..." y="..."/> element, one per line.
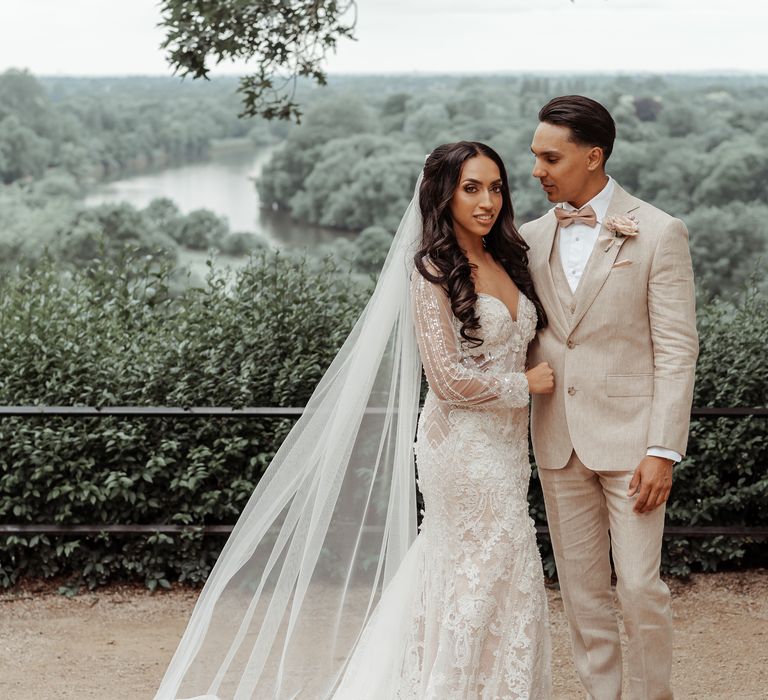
<point x="585" y="215"/>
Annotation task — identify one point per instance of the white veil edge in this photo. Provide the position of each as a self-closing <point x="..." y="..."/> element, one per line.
<point x="328" y="524"/>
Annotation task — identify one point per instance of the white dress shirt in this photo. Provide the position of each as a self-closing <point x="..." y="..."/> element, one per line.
<point x="576" y="244"/>
<point x="578" y="239"/>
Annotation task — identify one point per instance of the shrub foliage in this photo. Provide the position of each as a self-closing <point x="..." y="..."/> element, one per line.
<point x="108" y="336"/>
<point x="723" y="480"/>
<point x="112" y="335"/>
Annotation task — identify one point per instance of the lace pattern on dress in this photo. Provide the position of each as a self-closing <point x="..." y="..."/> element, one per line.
<point x="479" y="626"/>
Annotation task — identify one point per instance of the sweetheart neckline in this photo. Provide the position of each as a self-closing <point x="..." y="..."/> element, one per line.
<point x="520" y="296"/>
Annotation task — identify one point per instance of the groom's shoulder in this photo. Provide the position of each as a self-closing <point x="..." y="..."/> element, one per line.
<point x="653" y="219"/>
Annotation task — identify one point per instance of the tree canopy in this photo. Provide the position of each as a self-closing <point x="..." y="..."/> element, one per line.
<point x="695" y="147"/>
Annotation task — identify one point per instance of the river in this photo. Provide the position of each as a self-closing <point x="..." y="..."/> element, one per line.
<point x="225" y="185"/>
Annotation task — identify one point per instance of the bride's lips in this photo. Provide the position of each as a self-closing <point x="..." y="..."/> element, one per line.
<point x="484" y="219"/>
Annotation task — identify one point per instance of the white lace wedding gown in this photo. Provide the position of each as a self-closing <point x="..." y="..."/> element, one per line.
<point x="465" y="617"/>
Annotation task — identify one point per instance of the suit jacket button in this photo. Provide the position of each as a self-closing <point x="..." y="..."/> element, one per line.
<point x="571" y="390"/>
<point x="571" y="345"/>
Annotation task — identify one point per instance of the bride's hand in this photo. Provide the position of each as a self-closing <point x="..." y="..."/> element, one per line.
<point x="541" y="379"/>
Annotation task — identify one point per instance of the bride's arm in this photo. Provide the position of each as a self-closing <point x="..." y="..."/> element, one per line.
<point x="450" y="379"/>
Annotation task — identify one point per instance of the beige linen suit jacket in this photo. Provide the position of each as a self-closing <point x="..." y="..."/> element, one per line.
<point x="624" y="358"/>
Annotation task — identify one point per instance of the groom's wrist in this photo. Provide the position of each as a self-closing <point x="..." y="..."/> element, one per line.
<point x="664" y="453"/>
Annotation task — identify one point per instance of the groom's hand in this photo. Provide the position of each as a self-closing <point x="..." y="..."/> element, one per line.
<point x="652" y="481"/>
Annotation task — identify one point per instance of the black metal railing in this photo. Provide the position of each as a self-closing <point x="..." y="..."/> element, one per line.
<point x="284" y="412"/>
<point x="35" y="529"/>
<point x="260" y="411"/>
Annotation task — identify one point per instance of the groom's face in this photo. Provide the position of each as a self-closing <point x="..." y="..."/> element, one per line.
<point x="565" y="168"/>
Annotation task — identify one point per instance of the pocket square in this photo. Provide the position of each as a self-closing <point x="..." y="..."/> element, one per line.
<point x="621" y="263"/>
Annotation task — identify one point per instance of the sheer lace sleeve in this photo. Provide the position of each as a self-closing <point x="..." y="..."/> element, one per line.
<point x="451" y="380"/>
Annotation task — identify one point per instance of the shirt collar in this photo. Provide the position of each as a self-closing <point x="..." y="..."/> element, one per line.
<point x="599" y="202"/>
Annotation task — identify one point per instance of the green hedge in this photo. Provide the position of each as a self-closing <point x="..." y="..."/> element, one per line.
<point x="117" y="336"/>
<point x="724" y="478"/>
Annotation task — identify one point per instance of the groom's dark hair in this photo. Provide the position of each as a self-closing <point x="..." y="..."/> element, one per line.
<point x="590" y="123"/>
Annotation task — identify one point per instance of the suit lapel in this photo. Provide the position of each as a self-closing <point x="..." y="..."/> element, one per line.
<point x="600" y="261"/>
<point x="542" y="272"/>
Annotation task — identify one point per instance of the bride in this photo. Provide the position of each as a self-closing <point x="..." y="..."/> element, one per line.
<point x="325" y="589"/>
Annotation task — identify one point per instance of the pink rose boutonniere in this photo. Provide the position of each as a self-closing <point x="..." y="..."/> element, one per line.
<point x="621" y="227"/>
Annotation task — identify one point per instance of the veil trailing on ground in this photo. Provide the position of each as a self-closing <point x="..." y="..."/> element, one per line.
<point x="328" y="524"/>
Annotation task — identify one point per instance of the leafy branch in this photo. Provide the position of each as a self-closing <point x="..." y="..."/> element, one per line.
<point x="287" y="40"/>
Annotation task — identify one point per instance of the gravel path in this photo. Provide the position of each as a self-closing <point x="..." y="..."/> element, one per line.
<point x="114" y="644"/>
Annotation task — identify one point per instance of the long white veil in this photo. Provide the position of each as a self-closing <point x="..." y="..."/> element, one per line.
<point x="328" y="524"/>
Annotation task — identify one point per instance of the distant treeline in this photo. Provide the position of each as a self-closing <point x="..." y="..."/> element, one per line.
<point x="101" y="127"/>
<point x="694" y="146"/>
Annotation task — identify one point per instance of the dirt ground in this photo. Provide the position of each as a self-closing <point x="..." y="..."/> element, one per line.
<point x="114" y="644"/>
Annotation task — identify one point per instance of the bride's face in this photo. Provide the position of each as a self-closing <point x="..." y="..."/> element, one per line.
<point x="477" y="199"/>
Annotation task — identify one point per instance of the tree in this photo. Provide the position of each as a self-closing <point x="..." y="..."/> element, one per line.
<point x="201" y="229"/>
<point x="357" y="182"/>
<point x="679" y="119"/>
<point x="291" y="164"/>
<point x="22" y="152"/>
<point x="395" y="104"/>
<point x="426" y="124"/>
<point x="647" y="109"/>
<point x="739" y="172"/>
<point x="163" y="216"/>
<point x="332" y="173"/>
<point x="728" y="245"/>
<point x="288" y="40"/>
<point x="242" y="243"/>
<point x="23" y="96"/>
<point x="377" y="191"/>
<point x="111" y="231"/>
<point x="372" y="246"/>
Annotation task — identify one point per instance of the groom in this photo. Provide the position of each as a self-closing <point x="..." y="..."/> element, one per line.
<point x="614" y="276"/>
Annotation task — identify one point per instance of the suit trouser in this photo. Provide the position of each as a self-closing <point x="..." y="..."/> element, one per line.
<point x="591" y="519"/>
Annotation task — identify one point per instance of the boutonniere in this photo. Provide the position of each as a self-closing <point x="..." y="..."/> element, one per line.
<point x="621" y="227"/>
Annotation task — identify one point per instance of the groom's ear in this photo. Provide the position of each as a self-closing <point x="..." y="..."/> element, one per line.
<point x="595" y="158"/>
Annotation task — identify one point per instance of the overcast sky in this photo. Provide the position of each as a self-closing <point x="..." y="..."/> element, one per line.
<point x="117" y="37"/>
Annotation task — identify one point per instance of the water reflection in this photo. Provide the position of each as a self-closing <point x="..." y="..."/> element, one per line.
<point x="294" y="233"/>
<point x="225" y="184"/>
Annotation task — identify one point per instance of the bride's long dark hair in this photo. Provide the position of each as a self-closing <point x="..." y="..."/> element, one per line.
<point x="448" y="266"/>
